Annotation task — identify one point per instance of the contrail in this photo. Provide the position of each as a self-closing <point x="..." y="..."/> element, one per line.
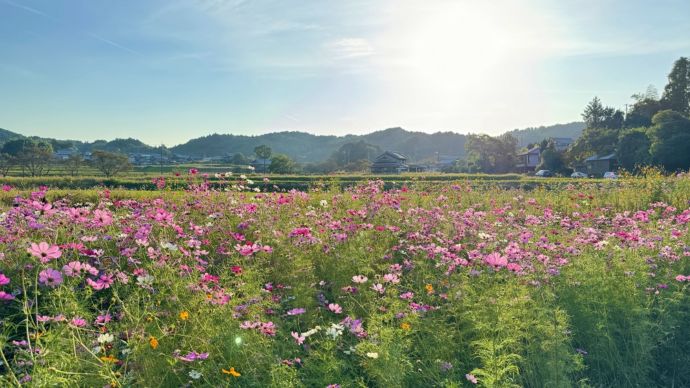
<point x="90" y="34"/>
<point x="25" y="8"/>
<point x="110" y="42"/>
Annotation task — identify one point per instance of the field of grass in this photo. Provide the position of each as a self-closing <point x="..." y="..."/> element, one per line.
<point x="400" y="282"/>
<point x="148" y="181"/>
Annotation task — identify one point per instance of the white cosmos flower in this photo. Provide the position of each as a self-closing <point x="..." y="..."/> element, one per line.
<point x="105" y="338"/>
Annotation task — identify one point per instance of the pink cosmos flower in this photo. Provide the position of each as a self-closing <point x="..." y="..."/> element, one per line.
<point x="334" y="307"/>
<point x="391" y="278"/>
<point x="359" y="279"/>
<point x="104" y="281"/>
<point x="78" y="322"/>
<point x="298" y="338"/>
<point x="496" y="260"/>
<point x="297" y="311"/>
<point x="4" y="280"/>
<point x="72" y="269"/>
<point x="44" y="251"/>
<point x="682" y="278"/>
<point x="471" y="378"/>
<point x="193" y="356"/>
<point x="4" y="296"/>
<point x="378" y="287"/>
<point x="102" y="217"/>
<point x="50" y="277"/>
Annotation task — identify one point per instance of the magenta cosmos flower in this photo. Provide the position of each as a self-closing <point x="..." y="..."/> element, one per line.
<point x="44" y="251"/>
<point x="50" y="277"/>
<point x="496" y="260"/>
<point x="6" y="296"/>
<point x="4" y="280"/>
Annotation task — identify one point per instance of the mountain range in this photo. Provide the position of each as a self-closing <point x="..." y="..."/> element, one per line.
<point x="308" y="148"/>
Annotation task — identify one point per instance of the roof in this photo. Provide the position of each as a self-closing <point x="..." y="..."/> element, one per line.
<point x="595" y="158"/>
<point x="396" y="155"/>
<point x="534" y="150"/>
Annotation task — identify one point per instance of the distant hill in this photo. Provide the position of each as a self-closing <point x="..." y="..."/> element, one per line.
<point x="308" y="148"/>
<point x="6" y="135"/>
<point x="537" y="134"/>
<point x="305" y="147"/>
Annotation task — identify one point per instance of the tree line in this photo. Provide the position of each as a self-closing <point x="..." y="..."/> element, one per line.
<point x="35" y="158"/>
<point x="655" y="130"/>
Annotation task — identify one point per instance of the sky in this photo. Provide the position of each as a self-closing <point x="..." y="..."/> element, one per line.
<point x="165" y="71"/>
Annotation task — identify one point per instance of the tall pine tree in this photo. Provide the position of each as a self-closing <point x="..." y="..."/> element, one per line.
<point x="677" y="92"/>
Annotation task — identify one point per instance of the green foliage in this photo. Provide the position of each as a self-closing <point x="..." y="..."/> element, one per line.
<point x="263" y="151"/>
<point x="633" y="149"/>
<point x="34" y="157"/>
<point x="492" y="154"/>
<point x="281" y="164"/>
<point x="553" y="160"/>
<point x="109" y="163"/>
<point x="676" y="95"/>
<point x="670" y="140"/>
<point x="354" y="156"/>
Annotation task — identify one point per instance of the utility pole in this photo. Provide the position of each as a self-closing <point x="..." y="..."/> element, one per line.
<point x="161" y="161"/>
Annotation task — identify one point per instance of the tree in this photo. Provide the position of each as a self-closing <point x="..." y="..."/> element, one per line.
<point x="282" y="164"/>
<point x="670" y="138"/>
<point x="633" y="149"/>
<point x="109" y="163"/>
<point x="33" y="156"/>
<point x="676" y="95"/>
<point x="355" y="156"/>
<point x="263" y="152"/>
<point x="553" y="160"/>
<point x="239" y="159"/>
<point x="6" y="163"/>
<point x="491" y="154"/>
<point x="601" y="134"/>
<point x="598" y="116"/>
<point x="74" y="163"/>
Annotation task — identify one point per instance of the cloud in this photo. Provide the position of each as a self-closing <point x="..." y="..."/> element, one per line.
<point x="25" y="8"/>
<point x="112" y="43"/>
<point x="350" y="48"/>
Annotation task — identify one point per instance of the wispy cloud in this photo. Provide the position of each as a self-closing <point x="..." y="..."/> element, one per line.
<point x="350" y="48"/>
<point x="87" y="33"/>
<point x="112" y="43"/>
<point x="26" y="8"/>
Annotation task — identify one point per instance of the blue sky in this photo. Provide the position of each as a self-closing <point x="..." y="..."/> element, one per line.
<point x="168" y="71"/>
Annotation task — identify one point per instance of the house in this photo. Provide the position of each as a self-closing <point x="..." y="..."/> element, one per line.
<point x="417" y="168"/>
<point x="529" y="160"/>
<point x="598" y="165"/>
<point x="260" y="165"/>
<point x="444" y="162"/>
<point x="65" y="153"/>
<point x="390" y="163"/>
<point x="561" y="143"/>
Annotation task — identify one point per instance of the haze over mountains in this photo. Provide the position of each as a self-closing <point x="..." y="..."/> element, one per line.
<point x="308" y="148"/>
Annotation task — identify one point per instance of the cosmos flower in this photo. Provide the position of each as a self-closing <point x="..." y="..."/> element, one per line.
<point x="335" y="308"/>
<point x="44" y="251"/>
<point x="50" y="277"/>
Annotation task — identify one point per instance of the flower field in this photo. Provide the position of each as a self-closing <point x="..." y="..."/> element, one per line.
<point x="446" y="285"/>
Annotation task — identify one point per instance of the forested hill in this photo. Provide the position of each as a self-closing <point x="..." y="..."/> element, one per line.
<point x="308" y="148"/>
<point x="305" y="147"/>
<point x="6" y="135"/>
<point x="536" y="134"/>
